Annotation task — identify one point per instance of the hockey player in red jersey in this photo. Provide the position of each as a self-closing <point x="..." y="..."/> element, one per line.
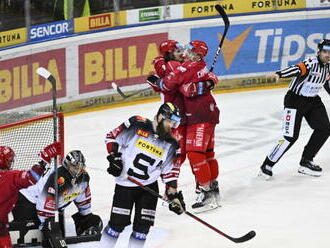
<point x="11" y="181"/>
<point x="202" y="116"/>
<point x="171" y="57"/>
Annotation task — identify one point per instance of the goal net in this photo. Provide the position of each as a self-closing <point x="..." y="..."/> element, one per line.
<point x="27" y="133"/>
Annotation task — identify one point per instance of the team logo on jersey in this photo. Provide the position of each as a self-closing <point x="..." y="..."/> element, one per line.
<point x="68" y="198"/>
<point x="142" y="133"/>
<point x="60" y="180"/>
<point x="151" y="148"/>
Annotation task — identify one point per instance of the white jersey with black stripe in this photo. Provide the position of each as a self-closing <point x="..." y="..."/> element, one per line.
<point x="309" y="77"/>
<point x="145" y="156"/>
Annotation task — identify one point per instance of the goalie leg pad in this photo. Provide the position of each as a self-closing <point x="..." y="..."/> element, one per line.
<point x="89" y="224"/>
<point x="200" y="167"/>
<point x="52" y="235"/>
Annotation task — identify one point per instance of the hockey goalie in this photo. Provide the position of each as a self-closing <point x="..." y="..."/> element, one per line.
<point x="37" y="203"/>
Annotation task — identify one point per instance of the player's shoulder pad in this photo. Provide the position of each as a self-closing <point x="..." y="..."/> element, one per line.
<point x="140" y="122"/>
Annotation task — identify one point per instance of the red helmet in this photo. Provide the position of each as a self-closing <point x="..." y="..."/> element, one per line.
<point x="199" y="47"/>
<point x="6" y="157"/>
<point x="168" y="46"/>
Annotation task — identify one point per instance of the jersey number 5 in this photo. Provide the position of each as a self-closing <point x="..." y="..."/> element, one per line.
<point x="144" y="168"/>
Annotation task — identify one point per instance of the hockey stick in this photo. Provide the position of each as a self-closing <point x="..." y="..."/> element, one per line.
<point x="123" y="95"/>
<point x="54" y="238"/>
<point x="241" y="239"/>
<point x="224" y="16"/>
<point x="47" y="75"/>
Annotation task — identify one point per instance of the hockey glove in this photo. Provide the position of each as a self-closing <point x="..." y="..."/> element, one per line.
<point x="37" y="170"/>
<point x="177" y="204"/>
<point x="155" y="82"/>
<point x="50" y="152"/>
<point x="115" y="164"/>
<point x="89" y="224"/>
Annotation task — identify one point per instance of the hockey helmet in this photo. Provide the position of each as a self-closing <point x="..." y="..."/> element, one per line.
<point x="324" y="45"/>
<point x="171" y="112"/>
<point x="199" y="47"/>
<point x="74" y="162"/>
<point x="168" y="46"/>
<point x="7" y="156"/>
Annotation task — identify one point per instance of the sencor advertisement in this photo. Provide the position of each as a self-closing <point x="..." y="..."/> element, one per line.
<point x="200" y="9"/>
<point x="51" y="30"/>
<point x="126" y="61"/>
<point x="105" y="20"/>
<point x="12" y="37"/>
<point x="20" y="85"/>
<point x="263" y="47"/>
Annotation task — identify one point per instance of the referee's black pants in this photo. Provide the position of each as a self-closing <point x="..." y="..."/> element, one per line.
<point x="295" y="109"/>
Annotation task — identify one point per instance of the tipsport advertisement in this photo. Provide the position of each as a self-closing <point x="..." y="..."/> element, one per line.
<point x="262" y="47"/>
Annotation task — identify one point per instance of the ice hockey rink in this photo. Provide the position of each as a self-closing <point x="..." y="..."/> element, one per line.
<point x="291" y="210"/>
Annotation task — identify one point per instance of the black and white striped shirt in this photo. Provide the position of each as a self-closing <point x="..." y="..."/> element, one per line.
<point x="309" y="77"/>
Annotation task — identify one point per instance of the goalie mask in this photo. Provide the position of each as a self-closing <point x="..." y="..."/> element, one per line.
<point x="74" y="162"/>
<point x="7" y="156"/>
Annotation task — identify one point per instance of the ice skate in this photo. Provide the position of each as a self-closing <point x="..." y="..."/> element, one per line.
<point x="205" y="202"/>
<point x="266" y="172"/>
<point x="308" y="167"/>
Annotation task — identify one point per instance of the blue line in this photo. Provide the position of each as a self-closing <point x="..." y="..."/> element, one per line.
<point x="159" y="22"/>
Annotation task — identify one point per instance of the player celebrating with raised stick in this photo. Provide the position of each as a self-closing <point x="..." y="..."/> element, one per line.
<point x="144" y="150"/>
<point x="302" y="100"/>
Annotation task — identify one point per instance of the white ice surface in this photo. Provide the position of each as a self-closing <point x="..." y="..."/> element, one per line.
<point x="289" y="211"/>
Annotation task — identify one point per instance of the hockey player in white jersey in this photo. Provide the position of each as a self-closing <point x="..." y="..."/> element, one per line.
<point x="144" y="150"/>
<point x="37" y="203"/>
<point x="302" y="101"/>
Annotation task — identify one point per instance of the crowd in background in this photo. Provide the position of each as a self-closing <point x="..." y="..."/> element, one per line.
<point x="14" y="13"/>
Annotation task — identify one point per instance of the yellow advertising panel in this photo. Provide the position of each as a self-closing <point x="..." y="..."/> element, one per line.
<point x="200" y="9"/>
<point x="12" y="37"/>
<point x="101" y="21"/>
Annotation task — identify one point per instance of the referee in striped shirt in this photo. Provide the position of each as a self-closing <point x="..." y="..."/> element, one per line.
<point x="302" y="100"/>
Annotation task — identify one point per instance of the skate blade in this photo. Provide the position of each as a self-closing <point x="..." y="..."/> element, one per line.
<point x="205" y="208"/>
<point x="264" y="176"/>
<point x="306" y="171"/>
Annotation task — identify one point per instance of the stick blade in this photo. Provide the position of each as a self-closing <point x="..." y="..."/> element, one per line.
<point x="114" y="86"/>
<point x="46" y="74"/>
<point x="43" y="72"/>
<point x="246" y="237"/>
